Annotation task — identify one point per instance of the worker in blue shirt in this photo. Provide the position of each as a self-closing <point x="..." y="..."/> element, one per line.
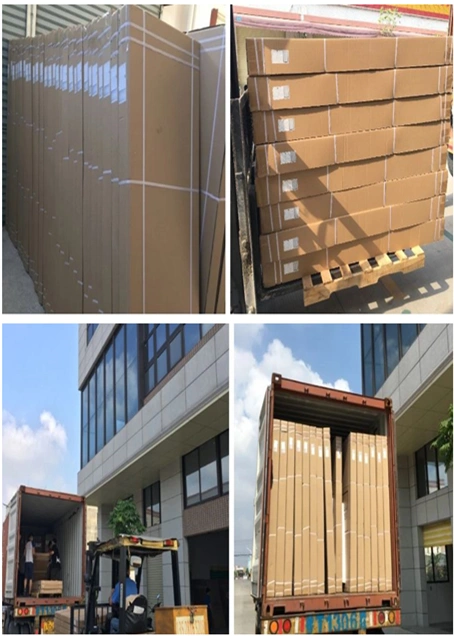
<point x="131" y="588"/>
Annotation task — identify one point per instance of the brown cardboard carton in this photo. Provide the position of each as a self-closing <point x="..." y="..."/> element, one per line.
<point x="337" y="463"/>
<point x="282" y="216"/>
<point x="387" y="515"/>
<point x="330" y="586"/>
<point x="268" y="56"/>
<point x="313" y="516"/>
<point x="367" y="530"/>
<point x="373" y="514"/>
<point x="282" y="510"/>
<point x="290" y="510"/>
<point x="360" y="518"/>
<point x="307" y="507"/>
<point x="306" y="154"/>
<point x="299" y="185"/>
<point x="380" y="516"/>
<point x="327" y="89"/>
<point x="212" y="151"/>
<point x="273" y="519"/>
<point x="289" y="269"/>
<point x="287" y="125"/>
<point x="298" y="519"/>
<point x="320" y="516"/>
<point x="349" y="499"/>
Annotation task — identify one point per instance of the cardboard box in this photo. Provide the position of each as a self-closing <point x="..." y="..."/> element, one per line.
<point x="212" y="169"/>
<point x="327" y="89"/>
<point x="338" y="536"/>
<point x="273" y="514"/>
<point x="367" y="515"/>
<point x="290" y="269"/>
<point x="320" y="516"/>
<point x="307" y="507"/>
<point x="387" y="515"/>
<point x="282" y="216"/>
<point x="313" y="514"/>
<point x="334" y="232"/>
<point x="373" y="514"/>
<point x="330" y="583"/>
<point x="349" y="499"/>
<point x="287" y="125"/>
<point x="360" y="517"/>
<point x="282" y="511"/>
<point x="380" y="516"/>
<point x="298" y="520"/>
<point x="306" y="154"/>
<point x="290" y="511"/>
<point x="299" y="185"/>
<point x="270" y="56"/>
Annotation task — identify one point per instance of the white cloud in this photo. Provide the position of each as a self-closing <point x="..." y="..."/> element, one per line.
<point x="252" y="377"/>
<point x="32" y="456"/>
<point x="246" y="336"/>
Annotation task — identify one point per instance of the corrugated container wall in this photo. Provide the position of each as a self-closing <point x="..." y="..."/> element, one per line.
<point x="69" y="533"/>
<point x="48" y="18"/>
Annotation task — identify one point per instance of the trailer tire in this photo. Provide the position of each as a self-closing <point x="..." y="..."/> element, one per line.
<point x="257" y="622"/>
<point x="26" y="628"/>
<point x="13" y="627"/>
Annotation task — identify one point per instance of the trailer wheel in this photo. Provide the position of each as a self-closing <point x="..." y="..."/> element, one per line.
<point x="13" y="627"/>
<point x="26" y="628"/>
<point x="257" y="622"/>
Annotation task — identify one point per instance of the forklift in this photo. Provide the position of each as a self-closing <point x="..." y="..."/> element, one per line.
<point x="124" y="549"/>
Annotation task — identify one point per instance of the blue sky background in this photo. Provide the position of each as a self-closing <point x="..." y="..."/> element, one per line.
<point x="319" y="354"/>
<point x="40" y="371"/>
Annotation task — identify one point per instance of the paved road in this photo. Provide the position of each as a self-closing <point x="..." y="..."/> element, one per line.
<point x="244" y="608"/>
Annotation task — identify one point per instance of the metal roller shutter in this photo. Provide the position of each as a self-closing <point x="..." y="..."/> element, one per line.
<point x="154" y="579"/>
<point x="437" y="534"/>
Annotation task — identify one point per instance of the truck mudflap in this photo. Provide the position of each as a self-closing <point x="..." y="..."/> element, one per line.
<point x="332" y="623"/>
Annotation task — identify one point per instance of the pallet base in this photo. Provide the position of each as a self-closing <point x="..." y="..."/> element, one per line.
<point x="319" y="287"/>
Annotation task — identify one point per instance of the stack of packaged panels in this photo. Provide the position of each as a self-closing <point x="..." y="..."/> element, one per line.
<point x="350" y="141"/>
<point x="103" y="165"/>
<point x="326" y="494"/>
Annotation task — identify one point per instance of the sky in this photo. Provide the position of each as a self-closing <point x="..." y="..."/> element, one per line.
<point x="41" y="408"/>
<point x="319" y="354"/>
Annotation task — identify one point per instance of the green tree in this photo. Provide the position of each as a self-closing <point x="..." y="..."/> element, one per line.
<point x="124" y="518"/>
<point x="443" y="443"/>
<point x="388" y="19"/>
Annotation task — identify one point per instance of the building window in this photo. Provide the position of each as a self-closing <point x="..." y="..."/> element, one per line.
<point x="382" y="347"/>
<point x="436" y="564"/>
<point x="152" y="505"/>
<point x="206" y="472"/>
<point x="430" y="471"/>
<point x="90" y="331"/>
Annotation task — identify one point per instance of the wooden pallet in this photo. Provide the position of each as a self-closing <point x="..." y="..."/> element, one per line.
<point x="319" y="287"/>
<point x="47" y="588"/>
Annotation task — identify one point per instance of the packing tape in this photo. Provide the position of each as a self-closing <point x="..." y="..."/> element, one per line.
<point x="256" y="55"/>
<point x="146" y="32"/>
<point x="159" y="51"/>
<point x="263" y="56"/>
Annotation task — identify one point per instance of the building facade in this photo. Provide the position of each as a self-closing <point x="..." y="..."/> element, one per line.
<point x="413" y="365"/>
<point x="154" y="427"/>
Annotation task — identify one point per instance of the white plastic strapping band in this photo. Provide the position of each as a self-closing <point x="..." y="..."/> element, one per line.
<point x="337" y="90"/>
<point x="268" y="189"/>
<point x="329" y="118"/>
<point x="273" y="117"/>
<point x="156" y="50"/>
<point x="271" y="219"/>
<point x="256" y="56"/>
<point x="277" y="247"/>
<point x="324" y="53"/>
<point x="257" y="93"/>
<point x="263" y="56"/>
<point x="394" y="84"/>
<point x="431" y="202"/>
<point x="279" y="215"/>
<point x="335" y="149"/>
<point x="145" y="32"/>
<point x="269" y="247"/>
<point x="395" y="52"/>
<point x="331" y="205"/>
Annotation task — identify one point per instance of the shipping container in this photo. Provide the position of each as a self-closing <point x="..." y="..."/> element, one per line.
<point x="343" y="413"/>
<point x="45" y="514"/>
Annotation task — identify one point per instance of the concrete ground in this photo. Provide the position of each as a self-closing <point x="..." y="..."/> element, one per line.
<point x="19" y="295"/>
<point x="428" y="290"/>
<point x="245" y="619"/>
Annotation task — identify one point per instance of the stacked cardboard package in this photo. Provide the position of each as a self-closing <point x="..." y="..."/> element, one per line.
<point x="316" y="481"/>
<point x="103" y="165"/>
<point x="62" y="623"/>
<point x="351" y="153"/>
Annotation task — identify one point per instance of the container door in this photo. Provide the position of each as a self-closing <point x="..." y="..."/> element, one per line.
<point x="11" y="557"/>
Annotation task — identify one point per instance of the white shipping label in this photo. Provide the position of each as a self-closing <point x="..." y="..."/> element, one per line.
<point x="276" y="446"/>
<point x="291" y="244"/>
<point x="305" y="447"/>
<point x="279" y="57"/>
<point x="287" y="157"/>
<point x="286" y="124"/>
<point x="289" y="185"/>
<point x="385" y="453"/>
<point x="290" y="443"/>
<point x="290" y="268"/>
<point x="320" y="451"/>
<point x="281" y="92"/>
<point x="312" y="449"/>
<point x="360" y="456"/>
<point x="298" y="446"/>
<point x="290" y="214"/>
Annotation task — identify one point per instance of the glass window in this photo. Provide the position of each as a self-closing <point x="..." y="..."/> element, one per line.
<point x="368" y="361"/>
<point x="206" y="329"/>
<point x="191" y="337"/>
<point x="408" y="335"/>
<point x="191" y="471"/>
<point x="109" y="394"/>
<point x="392" y="347"/>
<point x="131" y="371"/>
<point x="379" y="356"/>
<point x="90" y="331"/>
<point x="420" y="457"/>
<point x="440" y="564"/>
<point x="442" y="475"/>
<point x="224" y="453"/>
<point x="208" y="470"/>
<point x="84" y="426"/>
<point x="176" y="350"/>
<point x="100" y="406"/>
<point x="430" y="471"/>
<point x="160" y="336"/>
<point x="161" y="366"/>
<point x="92" y="412"/>
<point x="120" y="414"/>
<point x="172" y="328"/>
<point x="432" y="477"/>
<point x="150" y="380"/>
<point x="150" y="348"/>
<point x="152" y="505"/>
<point x="119" y="354"/>
<point x="429" y="565"/>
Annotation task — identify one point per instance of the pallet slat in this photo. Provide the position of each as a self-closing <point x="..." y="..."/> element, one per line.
<point x="367" y="274"/>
